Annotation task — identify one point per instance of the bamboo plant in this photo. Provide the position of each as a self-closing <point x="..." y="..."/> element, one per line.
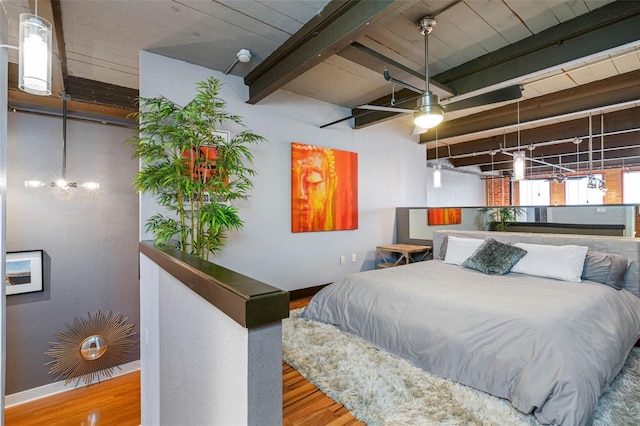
<point x="499" y="218"/>
<point x="193" y="169"/>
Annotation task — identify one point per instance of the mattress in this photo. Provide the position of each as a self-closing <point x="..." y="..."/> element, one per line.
<point x="550" y="347"/>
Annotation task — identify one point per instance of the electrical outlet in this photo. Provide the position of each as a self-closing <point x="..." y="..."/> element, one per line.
<point x="342" y="260"/>
<point x="353" y="257"/>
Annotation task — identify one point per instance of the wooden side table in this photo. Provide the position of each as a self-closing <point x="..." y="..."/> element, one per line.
<point x="401" y="254"/>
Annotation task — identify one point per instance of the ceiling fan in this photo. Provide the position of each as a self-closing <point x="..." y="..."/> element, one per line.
<point x="429" y="112"/>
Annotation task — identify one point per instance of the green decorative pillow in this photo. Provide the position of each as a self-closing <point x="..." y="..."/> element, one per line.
<point x="494" y="258"/>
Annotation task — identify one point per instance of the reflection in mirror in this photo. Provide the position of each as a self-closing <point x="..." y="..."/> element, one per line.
<point x="93" y="347"/>
<point x="612" y="220"/>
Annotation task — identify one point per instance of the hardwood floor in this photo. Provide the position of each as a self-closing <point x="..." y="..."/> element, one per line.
<point x="117" y="402"/>
<point x="111" y="402"/>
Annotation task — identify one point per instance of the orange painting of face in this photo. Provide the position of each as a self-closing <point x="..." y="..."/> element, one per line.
<point x="324" y="189"/>
<point x="201" y="162"/>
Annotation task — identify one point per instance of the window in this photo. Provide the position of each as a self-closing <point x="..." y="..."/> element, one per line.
<point x="630" y="185"/>
<point x="534" y="192"/>
<point x="576" y="192"/>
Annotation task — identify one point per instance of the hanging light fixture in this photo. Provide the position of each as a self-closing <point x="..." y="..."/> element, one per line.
<point x="35" y="54"/>
<point x="437" y="174"/>
<point x="62" y="182"/>
<point x="602" y="186"/>
<point x="519" y="156"/>
<point x="34" y="68"/>
<point x="429" y="113"/>
<point x="518" y="165"/>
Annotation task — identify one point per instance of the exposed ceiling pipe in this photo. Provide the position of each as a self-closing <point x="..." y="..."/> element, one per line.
<point x="541" y="144"/>
<point x="626" y="157"/>
<point x="539" y="122"/>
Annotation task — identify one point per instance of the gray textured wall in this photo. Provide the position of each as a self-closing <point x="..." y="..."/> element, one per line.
<point x="89" y="239"/>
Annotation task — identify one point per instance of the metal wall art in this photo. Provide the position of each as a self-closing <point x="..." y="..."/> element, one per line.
<point x="91" y="347"/>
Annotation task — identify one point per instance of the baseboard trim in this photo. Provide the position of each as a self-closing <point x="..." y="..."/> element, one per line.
<point x="305" y="292"/>
<point x="59" y="387"/>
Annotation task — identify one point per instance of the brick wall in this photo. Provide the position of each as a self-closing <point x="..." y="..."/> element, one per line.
<point x="498" y="190"/>
<point x="556" y="193"/>
<point x="613" y="182"/>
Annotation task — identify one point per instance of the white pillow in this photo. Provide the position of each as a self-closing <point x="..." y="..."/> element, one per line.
<point x="459" y="249"/>
<point x="559" y="262"/>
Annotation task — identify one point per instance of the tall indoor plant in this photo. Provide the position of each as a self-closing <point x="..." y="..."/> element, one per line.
<point x="499" y="218"/>
<point x="193" y="169"/>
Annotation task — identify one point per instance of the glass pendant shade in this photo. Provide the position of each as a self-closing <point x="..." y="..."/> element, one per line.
<point x="35" y="55"/>
<point x="437" y="177"/>
<point x="518" y="165"/>
<point x="429" y="113"/>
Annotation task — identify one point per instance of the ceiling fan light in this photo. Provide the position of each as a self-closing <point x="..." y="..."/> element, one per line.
<point x="426" y="120"/>
<point x="429" y="113"/>
<point x="34" y="68"/>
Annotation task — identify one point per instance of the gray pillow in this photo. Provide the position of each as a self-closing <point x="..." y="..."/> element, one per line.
<point x="605" y="268"/>
<point x="494" y="258"/>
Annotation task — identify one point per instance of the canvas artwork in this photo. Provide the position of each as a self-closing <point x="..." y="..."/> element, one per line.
<point x="201" y="163"/>
<point x="23" y="272"/>
<point x="324" y="189"/>
<point x="451" y="216"/>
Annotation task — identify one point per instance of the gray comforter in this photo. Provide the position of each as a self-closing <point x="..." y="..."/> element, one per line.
<point x="550" y="347"/>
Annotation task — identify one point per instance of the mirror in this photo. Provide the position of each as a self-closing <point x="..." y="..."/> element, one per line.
<point x="613" y="220"/>
<point x="93" y="347"/>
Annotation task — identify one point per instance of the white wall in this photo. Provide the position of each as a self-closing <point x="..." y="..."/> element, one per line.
<point x="204" y="368"/>
<point x="392" y="173"/>
<point x="458" y="190"/>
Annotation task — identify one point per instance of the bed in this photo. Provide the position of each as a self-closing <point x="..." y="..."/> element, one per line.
<point x="551" y="347"/>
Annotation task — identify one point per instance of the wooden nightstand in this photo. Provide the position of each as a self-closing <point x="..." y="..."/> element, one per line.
<point x="400" y="254"/>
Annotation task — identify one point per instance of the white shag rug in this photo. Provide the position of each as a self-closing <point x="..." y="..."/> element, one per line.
<point x="382" y="389"/>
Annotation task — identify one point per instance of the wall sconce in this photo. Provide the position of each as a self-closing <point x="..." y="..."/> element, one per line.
<point x="62" y="183"/>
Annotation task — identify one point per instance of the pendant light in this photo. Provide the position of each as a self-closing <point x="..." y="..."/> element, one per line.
<point x="602" y="186"/>
<point x="437" y="174"/>
<point x="34" y="68"/>
<point x="518" y="157"/>
<point x="62" y="182"/>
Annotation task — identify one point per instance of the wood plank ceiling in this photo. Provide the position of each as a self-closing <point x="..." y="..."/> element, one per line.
<point x="575" y="59"/>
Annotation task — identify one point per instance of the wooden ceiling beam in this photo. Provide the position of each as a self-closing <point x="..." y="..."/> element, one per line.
<point x="333" y="29"/>
<point x="603" y="29"/>
<point x="104" y="96"/>
<point x="611" y="91"/>
<point x="56" y="10"/>
<point x="608" y="27"/>
<point x="624" y="121"/>
<point x="48" y="105"/>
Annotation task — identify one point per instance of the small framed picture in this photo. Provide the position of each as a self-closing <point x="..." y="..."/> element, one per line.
<point x="23" y="272"/>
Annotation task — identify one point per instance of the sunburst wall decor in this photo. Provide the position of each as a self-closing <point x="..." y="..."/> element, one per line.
<point x="91" y="347"/>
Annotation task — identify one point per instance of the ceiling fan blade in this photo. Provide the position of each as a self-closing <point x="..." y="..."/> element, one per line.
<point x="508" y="93"/>
<point x="418" y="131"/>
<point x="384" y="108"/>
